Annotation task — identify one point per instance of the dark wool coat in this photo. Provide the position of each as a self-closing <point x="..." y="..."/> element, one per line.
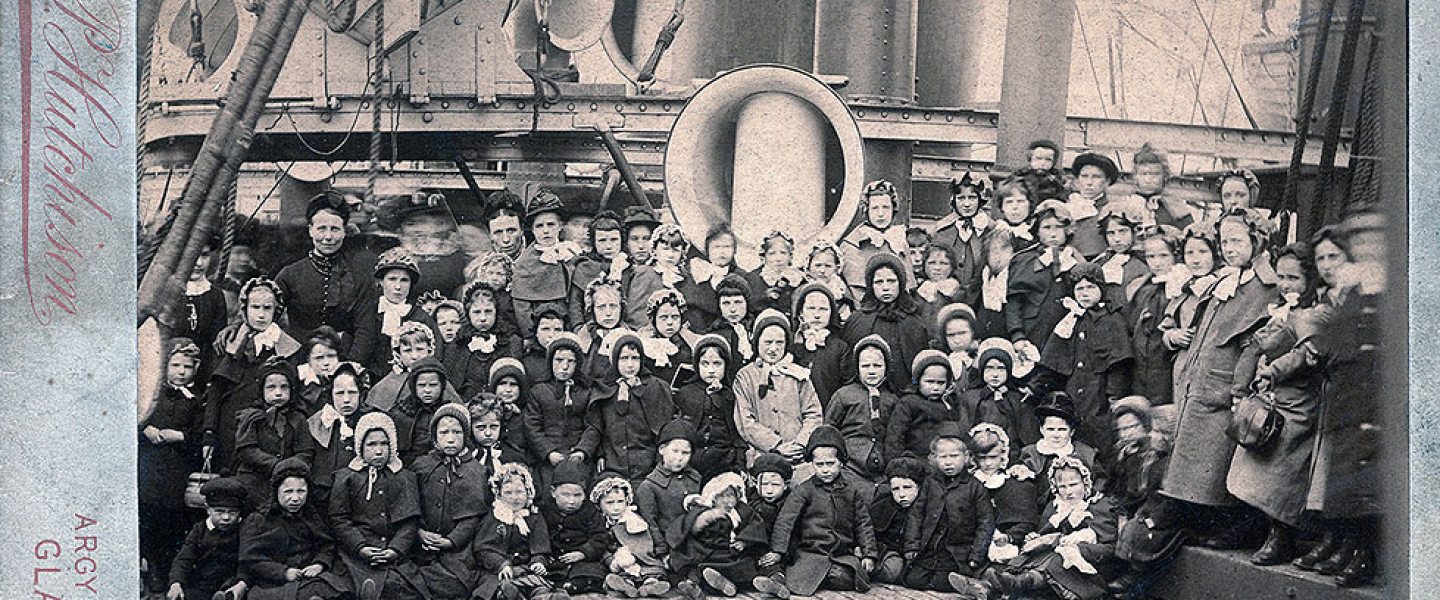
<point x="385" y="515"/>
<point x="1100" y="554"/>
<point x="1014" y="412"/>
<point x="1094" y="367"/>
<point x="468" y="370"/>
<point x="201" y="319"/>
<point x="164" y="469"/>
<point x="372" y="349"/>
<point x="678" y="368"/>
<point x="719" y="447"/>
<point x="829" y="524"/>
<point x="1154" y="362"/>
<point x="1205" y="384"/>
<point x="626" y="434"/>
<point x="454" y="496"/>
<point x="691" y="550"/>
<point x="537" y="366"/>
<point x="830" y="365"/>
<point x="499" y="545"/>
<point x="1016" y="507"/>
<point x="952" y="518"/>
<point x="702" y="304"/>
<point x="235" y="386"/>
<point x="1277" y="478"/>
<point x="581" y="531"/>
<point x="900" y="325"/>
<point x="208" y="561"/>
<point x="267" y="436"/>
<point x="333" y="450"/>
<point x="553" y="425"/>
<point x="888" y="518"/>
<point x="1349" y="347"/>
<point x="313" y="299"/>
<point x="1032" y="297"/>
<point x="272" y="540"/>
<point x="768" y="512"/>
<point x="660" y="499"/>
<point x="864" y="426"/>
<point x="914" y="421"/>
<point x="724" y="329"/>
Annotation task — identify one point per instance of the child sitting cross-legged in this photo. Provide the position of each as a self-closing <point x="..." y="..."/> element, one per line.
<point x="827" y="518"/>
<point x="513" y="544"/>
<point x="578" y="537"/>
<point x="635" y="570"/>
<point x="208" y="561"/>
<point x="947" y="535"/>
<point x="715" y="544"/>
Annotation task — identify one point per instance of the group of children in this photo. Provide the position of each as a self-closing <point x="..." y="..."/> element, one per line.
<point x="938" y="409"/>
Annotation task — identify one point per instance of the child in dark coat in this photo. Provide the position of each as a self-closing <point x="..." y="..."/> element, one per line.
<point x="412" y="414"/>
<point x="770" y="479"/>
<point x="397" y="275"/>
<point x="480" y="342"/>
<point x="947" y="535"/>
<point x="709" y="403"/>
<point x="668" y="355"/>
<point x="733" y="293"/>
<point x="210" y="557"/>
<point x="453" y="498"/>
<point x="626" y="414"/>
<point x="1089" y="355"/>
<point x="999" y="399"/>
<point x="333" y="428"/>
<point x="932" y="402"/>
<point x="272" y="433"/>
<point x="1037" y="280"/>
<point x="1057" y="440"/>
<point x="375" y="510"/>
<point x="510" y="386"/>
<point x="286" y="548"/>
<point x="827" y="517"/>
<point x="513" y="544"/>
<point x="862" y="409"/>
<point x="890" y="510"/>
<point x="714" y="546"/>
<point x="1011" y="497"/>
<point x="578" y="537"/>
<point x="818" y="345"/>
<point x="660" y="498"/>
<point x="168" y="452"/>
<point x="555" y="415"/>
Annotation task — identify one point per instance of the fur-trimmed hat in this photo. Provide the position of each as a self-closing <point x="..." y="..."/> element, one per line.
<point x="506" y="366"/>
<point x="677" y="429"/>
<point x="906" y="467"/>
<point x="371" y="421"/>
<point x="768" y="318"/>
<point x="398" y="258"/>
<point x="771" y="462"/>
<point x="453" y="410"/>
<point x="287" y="468"/>
<point x="225" y="492"/>
<point x="826" y="436"/>
<point x="711" y="340"/>
<point x="927" y="358"/>
<point x="1091" y="159"/>
<point x="1057" y="404"/>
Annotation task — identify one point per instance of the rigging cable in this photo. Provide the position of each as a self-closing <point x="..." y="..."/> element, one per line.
<point x="1225" y="65"/>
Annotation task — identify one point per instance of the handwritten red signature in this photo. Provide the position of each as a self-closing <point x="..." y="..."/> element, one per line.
<point x="79" y="110"/>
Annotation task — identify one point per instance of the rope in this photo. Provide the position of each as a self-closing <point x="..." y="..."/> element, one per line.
<point x="1364" y="160"/>
<point x="373" y="176"/>
<point x="1289" y="201"/>
<point x="151" y="245"/>
<point x="1093" y="73"/>
<point x="1339" y="98"/>
<point x="227" y="231"/>
<point x="1225" y="65"/>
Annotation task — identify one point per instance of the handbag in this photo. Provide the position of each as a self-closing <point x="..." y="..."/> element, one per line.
<point x="1255" y="422"/>
<point x="193" y="497"/>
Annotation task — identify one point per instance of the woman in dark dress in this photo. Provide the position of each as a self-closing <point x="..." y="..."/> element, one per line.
<point x="328" y="285"/>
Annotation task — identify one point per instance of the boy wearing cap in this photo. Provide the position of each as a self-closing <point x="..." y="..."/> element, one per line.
<point x="776" y="408"/>
<point x="210" y="556"/>
<point x="709" y="402"/>
<point x="453" y="488"/>
<point x="770" y="482"/>
<point x="891" y="509"/>
<point x="862" y="409"/>
<point x="396" y="275"/>
<point x="542" y="268"/>
<point x="947" y="535"/>
<point x="578" y="536"/>
<point x="827" y="518"/>
<point x="375" y="510"/>
<point x="998" y="399"/>
<point x="921" y="411"/>
<point x="661" y="496"/>
<point x="1094" y="174"/>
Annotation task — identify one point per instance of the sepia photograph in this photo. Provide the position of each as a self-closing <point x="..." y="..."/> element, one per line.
<point x="913" y="299"/>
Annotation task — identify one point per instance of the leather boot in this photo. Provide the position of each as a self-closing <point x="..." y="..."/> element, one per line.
<point x="1278" y="546"/>
<point x="1359" y="570"/>
<point x="1328" y="543"/>
<point x="1128" y="584"/>
<point x="1349" y="542"/>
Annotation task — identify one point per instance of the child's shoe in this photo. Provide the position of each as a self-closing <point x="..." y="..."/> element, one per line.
<point x="774" y="586"/>
<point x="654" y="587"/>
<point x="689" y="591"/>
<point x="621" y="585"/>
<point x="717" y="581"/>
<point x="369" y="590"/>
<point x="969" y="586"/>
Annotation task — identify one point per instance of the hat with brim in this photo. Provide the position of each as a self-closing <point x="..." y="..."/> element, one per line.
<point x="1091" y="159"/>
<point x="639" y="215"/>
<point x="398" y="258"/>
